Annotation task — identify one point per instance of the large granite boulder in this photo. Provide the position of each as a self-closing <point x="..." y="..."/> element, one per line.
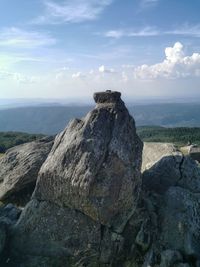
<point x="172" y="170"/>
<point x="94" y="165"/>
<point x="87" y="190"/>
<point x="9" y="214"/>
<point x="171" y="192"/>
<point x="155" y="151"/>
<point x="19" y="168"/>
<point x="180" y="221"/>
<point x="90" y="207"/>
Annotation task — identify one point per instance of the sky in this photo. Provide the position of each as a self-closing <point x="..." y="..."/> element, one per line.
<point x="71" y="48"/>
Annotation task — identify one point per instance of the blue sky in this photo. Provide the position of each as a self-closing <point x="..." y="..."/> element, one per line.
<point x="71" y="48"/>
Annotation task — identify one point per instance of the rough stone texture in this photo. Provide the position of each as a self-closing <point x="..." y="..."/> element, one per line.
<point x="92" y="167"/>
<point x="80" y="214"/>
<point x="107" y="97"/>
<point x="194" y="152"/>
<point x="48" y="235"/>
<point x="180" y="221"/>
<point x="164" y="230"/>
<point x="174" y="170"/>
<point x="10" y="212"/>
<point x="87" y="190"/>
<point x="9" y="215"/>
<point x="20" y="166"/>
<point x="2" y="237"/>
<point x="153" y="152"/>
<point x="45" y="230"/>
<point x="170" y="258"/>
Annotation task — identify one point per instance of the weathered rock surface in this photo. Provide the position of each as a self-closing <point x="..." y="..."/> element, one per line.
<point x="171" y="191"/>
<point x="48" y="235"/>
<point x="153" y="152"/>
<point x="9" y="214"/>
<point x="194" y="152"/>
<point x="87" y="190"/>
<point x="20" y="166"/>
<point x="91" y="207"/>
<point x="174" y="170"/>
<point x="180" y="221"/>
<point x="92" y="167"/>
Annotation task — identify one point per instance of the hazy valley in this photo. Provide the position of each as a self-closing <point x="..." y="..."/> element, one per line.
<point x="51" y="119"/>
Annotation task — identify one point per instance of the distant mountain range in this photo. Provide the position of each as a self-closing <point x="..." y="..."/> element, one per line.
<point x="51" y="119"/>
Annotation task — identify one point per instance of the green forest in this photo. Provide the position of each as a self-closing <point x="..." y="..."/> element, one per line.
<point x="179" y="136"/>
<point x="10" y="139"/>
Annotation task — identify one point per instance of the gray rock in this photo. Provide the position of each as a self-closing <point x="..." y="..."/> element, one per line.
<point x="87" y="190"/>
<point x="20" y="166"/>
<point x="170" y="257"/>
<point x="172" y="170"/>
<point x="2" y="236"/>
<point x="11" y="212"/>
<point x="92" y="167"/>
<point x="194" y="152"/>
<point x="190" y="175"/>
<point x="107" y="97"/>
<point x="143" y="237"/>
<point x="154" y="152"/>
<point x="180" y="221"/>
<point x="48" y="235"/>
<point x="162" y="175"/>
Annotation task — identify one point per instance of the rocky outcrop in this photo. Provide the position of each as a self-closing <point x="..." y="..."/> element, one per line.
<point x="153" y="152"/>
<point x="19" y="169"/>
<point x="9" y="214"/>
<point x="194" y="152"/>
<point x="171" y="192"/>
<point x="87" y="190"/>
<point x="92" y="208"/>
<point x="171" y="168"/>
<point x="92" y="168"/>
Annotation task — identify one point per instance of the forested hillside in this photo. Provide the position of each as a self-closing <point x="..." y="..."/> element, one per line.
<point x="180" y="136"/>
<point x="10" y="139"/>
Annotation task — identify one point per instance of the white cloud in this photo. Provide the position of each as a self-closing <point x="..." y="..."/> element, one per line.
<point x="78" y="75"/>
<point x="15" y="37"/>
<point x="18" y="77"/>
<point x="175" y="65"/>
<point x="103" y="69"/>
<point x="186" y="30"/>
<point x="75" y="11"/>
<point x="183" y="30"/>
<point x="147" y="31"/>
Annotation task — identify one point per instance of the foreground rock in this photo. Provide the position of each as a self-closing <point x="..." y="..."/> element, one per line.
<point x="91" y="208"/>
<point x="9" y="214"/>
<point x="87" y="190"/>
<point x="153" y="152"/>
<point x="171" y="193"/>
<point x="19" y="169"/>
<point x="194" y="152"/>
<point x="168" y="167"/>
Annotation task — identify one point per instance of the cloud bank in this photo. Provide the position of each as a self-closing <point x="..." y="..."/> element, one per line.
<point x="175" y="65"/>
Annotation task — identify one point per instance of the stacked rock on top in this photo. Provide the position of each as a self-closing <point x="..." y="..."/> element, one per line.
<point x="92" y="167"/>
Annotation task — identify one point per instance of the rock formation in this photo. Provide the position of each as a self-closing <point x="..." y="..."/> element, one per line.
<point x="91" y="206"/>
<point x="87" y="189"/>
<point x="171" y="193"/>
<point x="153" y="152"/>
<point x="19" y="169"/>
